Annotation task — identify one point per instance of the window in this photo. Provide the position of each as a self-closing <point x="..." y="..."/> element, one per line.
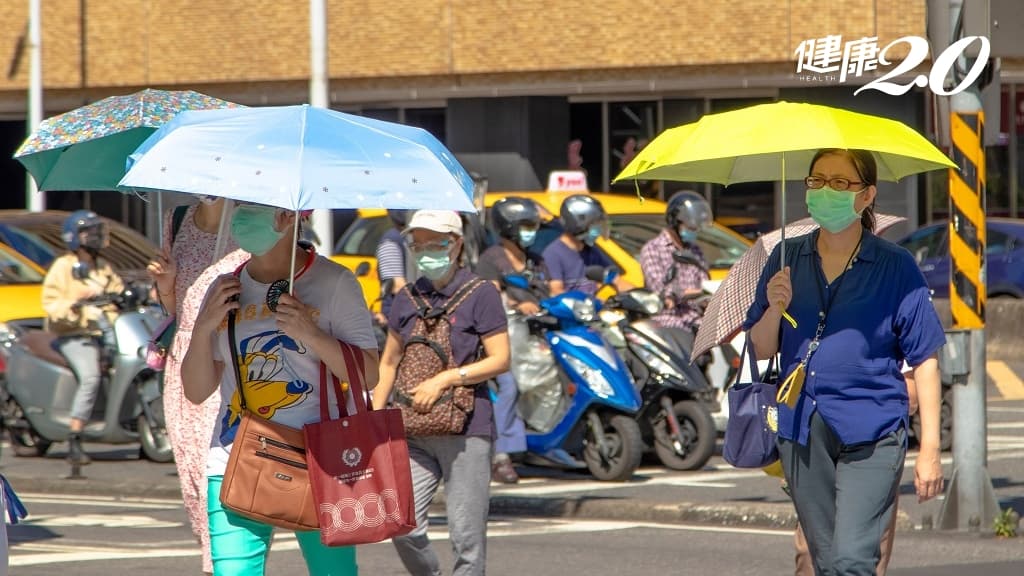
<point x="362" y="237"/>
<point x="927" y="242"/>
<point x="632" y="231"/>
<point x="15" y="271"/>
<point x="998" y="242"/>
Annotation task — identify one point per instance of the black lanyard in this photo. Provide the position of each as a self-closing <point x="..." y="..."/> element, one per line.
<point x="827" y="306"/>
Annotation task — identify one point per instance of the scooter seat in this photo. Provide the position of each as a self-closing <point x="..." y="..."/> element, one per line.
<point x="40" y="344"/>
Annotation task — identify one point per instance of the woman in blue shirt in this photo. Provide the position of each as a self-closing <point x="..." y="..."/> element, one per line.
<point x="862" y="307"/>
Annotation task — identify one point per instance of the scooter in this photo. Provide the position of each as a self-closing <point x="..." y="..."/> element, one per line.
<point x="37" y="389"/>
<point x="579" y="401"/>
<point x="675" y="418"/>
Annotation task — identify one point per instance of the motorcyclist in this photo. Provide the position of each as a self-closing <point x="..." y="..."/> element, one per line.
<point x="567" y="258"/>
<point x="72" y="278"/>
<point x="665" y="274"/>
<point x="515" y="221"/>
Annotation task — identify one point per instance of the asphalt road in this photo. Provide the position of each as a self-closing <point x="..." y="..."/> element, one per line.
<point x="102" y="536"/>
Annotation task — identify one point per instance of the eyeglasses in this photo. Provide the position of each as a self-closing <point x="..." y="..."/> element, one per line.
<point x="429" y="247"/>
<point x="815" y="182"/>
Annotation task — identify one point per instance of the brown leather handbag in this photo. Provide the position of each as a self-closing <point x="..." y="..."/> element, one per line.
<point x="428" y="352"/>
<point x="266" y="477"/>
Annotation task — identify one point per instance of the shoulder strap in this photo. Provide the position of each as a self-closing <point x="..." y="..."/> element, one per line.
<point x="236" y="365"/>
<point x="462" y="293"/>
<point x="418" y="302"/>
<point x="177" y="218"/>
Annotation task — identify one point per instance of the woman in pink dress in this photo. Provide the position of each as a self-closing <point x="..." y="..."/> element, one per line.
<point x="184" y="257"/>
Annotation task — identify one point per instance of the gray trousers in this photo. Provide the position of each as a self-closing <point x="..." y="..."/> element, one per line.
<point x="464" y="462"/>
<point x="83" y="355"/>
<point x="844" y="496"/>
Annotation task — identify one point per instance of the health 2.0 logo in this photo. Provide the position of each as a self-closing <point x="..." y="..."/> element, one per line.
<point x="829" y="59"/>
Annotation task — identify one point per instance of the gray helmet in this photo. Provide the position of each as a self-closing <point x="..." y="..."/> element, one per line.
<point x="579" y="212"/>
<point x="689" y="209"/>
<point x="508" y="213"/>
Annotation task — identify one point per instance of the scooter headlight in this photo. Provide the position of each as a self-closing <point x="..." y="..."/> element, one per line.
<point x="650" y="301"/>
<point x="592" y="376"/>
<point x="653" y="358"/>
<point x="584" y="310"/>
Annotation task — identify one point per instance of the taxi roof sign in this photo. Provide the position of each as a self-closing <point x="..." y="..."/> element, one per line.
<point x="567" y="181"/>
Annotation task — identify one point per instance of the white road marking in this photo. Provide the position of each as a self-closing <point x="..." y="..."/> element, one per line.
<point x="100" y="520"/>
<point x="100" y="501"/>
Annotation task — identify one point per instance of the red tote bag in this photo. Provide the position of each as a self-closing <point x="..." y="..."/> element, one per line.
<point x="359" y="465"/>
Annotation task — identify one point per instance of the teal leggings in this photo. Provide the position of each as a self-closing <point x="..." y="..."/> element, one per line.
<point x="239" y="546"/>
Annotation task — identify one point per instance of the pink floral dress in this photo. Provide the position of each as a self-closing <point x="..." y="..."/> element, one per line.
<point x="189" y="427"/>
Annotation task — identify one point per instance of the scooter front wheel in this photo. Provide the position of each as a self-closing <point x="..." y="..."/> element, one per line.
<point x="617" y="454"/>
<point x="156" y="446"/>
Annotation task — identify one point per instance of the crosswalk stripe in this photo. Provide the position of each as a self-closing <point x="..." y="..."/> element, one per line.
<point x="1010" y="386"/>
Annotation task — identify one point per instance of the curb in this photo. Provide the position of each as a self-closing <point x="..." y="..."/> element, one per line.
<point x="751" y="514"/>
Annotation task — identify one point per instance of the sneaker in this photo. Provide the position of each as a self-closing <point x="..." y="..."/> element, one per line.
<point x="503" y="472"/>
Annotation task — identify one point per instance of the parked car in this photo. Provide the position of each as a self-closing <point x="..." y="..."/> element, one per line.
<point x="1004" y="256"/>
<point x="37" y="236"/>
<point x="632" y="224"/>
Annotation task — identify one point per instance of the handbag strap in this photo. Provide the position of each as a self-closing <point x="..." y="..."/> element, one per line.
<point x="355" y="365"/>
<point x="750" y="357"/>
<point x="237" y="366"/>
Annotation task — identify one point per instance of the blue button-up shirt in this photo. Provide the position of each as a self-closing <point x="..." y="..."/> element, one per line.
<point x="882" y="315"/>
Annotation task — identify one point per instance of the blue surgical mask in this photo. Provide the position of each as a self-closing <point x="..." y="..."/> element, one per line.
<point x="527" y="237"/>
<point x="253" y="228"/>
<point x="687" y="236"/>
<point x="592" y="235"/>
<point x="832" y="209"/>
<point x="434" y="264"/>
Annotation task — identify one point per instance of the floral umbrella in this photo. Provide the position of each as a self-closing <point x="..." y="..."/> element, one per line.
<point x="86" y="148"/>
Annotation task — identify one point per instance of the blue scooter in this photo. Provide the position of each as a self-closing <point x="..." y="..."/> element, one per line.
<point x="583" y="414"/>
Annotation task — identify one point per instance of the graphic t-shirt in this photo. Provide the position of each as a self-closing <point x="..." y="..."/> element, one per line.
<point x="280" y="375"/>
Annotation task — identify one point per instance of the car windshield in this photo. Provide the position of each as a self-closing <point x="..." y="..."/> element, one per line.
<point x="15" y="271"/>
<point x="632" y="231"/>
<point x="27" y="244"/>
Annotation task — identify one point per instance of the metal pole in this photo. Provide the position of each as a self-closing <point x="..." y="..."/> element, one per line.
<point x="35" y="200"/>
<point x="322" y="221"/>
<point x="970" y="500"/>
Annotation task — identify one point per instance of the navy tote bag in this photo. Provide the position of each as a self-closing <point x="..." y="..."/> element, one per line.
<point x="753" y="416"/>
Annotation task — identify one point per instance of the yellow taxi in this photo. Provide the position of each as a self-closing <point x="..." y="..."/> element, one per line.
<point x="21" y="286"/>
<point x="633" y="223"/>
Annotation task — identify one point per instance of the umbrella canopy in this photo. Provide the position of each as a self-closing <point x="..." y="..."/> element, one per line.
<point x="301" y="158"/>
<point x="86" y="148"/>
<point x="728" y="307"/>
<point x="777" y="141"/>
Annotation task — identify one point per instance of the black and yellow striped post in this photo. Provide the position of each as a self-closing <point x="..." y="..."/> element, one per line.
<point x="967" y="221"/>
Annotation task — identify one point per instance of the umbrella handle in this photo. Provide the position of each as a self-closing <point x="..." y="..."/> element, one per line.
<point x="790" y="319"/>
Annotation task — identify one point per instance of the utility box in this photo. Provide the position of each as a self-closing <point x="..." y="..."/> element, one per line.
<point x="1001" y="21"/>
<point x="955" y="356"/>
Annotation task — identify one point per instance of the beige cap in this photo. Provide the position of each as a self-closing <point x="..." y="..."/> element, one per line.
<point x="440" y="221"/>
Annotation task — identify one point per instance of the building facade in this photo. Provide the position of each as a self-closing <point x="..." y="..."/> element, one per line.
<point x="515" y="89"/>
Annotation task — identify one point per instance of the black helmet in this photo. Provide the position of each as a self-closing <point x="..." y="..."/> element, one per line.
<point x="509" y="213"/>
<point x="88" y="222"/>
<point x="689" y="209"/>
<point x="579" y="212"/>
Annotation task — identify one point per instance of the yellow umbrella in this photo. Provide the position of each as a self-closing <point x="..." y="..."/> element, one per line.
<point x="777" y="141"/>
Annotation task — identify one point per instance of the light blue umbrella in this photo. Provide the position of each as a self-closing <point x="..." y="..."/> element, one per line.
<point x="300" y="158"/>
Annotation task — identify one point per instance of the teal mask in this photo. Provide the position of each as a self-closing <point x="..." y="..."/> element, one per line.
<point x="253" y="228"/>
<point x="435" y="264"/>
<point x="687" y="236"/>
<point x="832" y="209"/>
<point x="527" y="237"/>
<point x="592" y="235"/>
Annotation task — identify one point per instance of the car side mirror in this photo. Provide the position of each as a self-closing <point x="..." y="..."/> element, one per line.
<point x="362" y="269"/>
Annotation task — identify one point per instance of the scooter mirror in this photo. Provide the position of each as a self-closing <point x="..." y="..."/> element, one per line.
<point x="79" y="270"/>
<point x="595" y="272"/>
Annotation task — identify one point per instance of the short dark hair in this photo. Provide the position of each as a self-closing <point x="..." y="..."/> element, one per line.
<point x="867" y="170"/>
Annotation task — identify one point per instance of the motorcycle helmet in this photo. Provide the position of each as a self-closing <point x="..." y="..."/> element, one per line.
<point x="689" y="209"/>
<point x="509" y="216"/>
<point x="581" y="212"/>
<point x="85" y="229"/>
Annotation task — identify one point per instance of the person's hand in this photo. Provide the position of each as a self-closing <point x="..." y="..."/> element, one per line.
<point x="427" y="393"/>
<point x="780" y="290"/>
<point x="296" y="319"/>
<point x="528" y="308"/>
<point x="221" y="297"/>
<point x="928" y="475"/>
<point x="163" y="270"/>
